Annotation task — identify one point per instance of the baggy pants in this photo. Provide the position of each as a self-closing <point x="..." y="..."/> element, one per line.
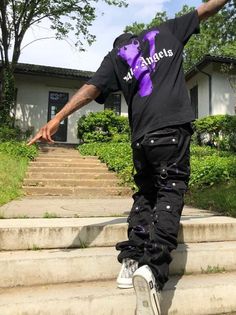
<point x="161" y="160"/>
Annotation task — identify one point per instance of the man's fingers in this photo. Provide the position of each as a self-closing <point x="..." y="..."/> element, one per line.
<point x="49" y="139"/>
<point x="44" y="136"/>
<point x="37" y="137"/>
<point x="46" y="132"/>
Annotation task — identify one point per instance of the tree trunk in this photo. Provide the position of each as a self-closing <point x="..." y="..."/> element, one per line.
<point x="7" y="97"/>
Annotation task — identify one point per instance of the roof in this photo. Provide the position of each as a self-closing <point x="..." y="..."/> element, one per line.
<point x="32" y="69"/>
<point x="207" y="59"/>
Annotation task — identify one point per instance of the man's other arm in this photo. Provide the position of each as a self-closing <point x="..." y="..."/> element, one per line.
<point x="210" y="8"/>
<point x="82" y="97"/>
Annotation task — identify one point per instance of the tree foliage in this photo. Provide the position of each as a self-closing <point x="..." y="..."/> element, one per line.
<point x="18" y="16"/>
<point x="217" y="36"/>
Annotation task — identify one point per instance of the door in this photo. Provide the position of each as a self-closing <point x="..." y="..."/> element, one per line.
<point x="57" y="100"/>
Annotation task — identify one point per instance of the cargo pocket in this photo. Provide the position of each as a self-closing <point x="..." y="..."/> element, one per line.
<point x="168" y="218"/>
<point x="161" y="145"/>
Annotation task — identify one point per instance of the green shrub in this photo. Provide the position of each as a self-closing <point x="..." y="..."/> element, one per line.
<point x="103" y="126"/>
<point x="117" y="156"/>
<point x="216" y="131"/>
<point x="7" y="133"/>
<point x="13" y="134"/>
<point x="208" y="166"/>
<point x="211" y="170"/>
<point x="14" y="157"/>
<point x="212" y="182"/>
<point x="19" y="149"/>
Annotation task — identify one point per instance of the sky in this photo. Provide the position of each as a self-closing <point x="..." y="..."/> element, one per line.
<point x="110" y="23"/>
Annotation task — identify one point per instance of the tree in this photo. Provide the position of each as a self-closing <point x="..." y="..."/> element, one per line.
<point x="217" y="35"/>
<point x="17" y="16"/>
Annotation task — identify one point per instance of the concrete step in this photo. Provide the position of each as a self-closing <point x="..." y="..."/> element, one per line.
<point x="105" y="175"/>
<point x="82" y="163"/>
<point x="22" y="234"/>
<point x="58" y="149"/>
<point x="65" y="158"/>
<point x="79" y="191"/>
<point x="68" y="170"/>
<point x="37" y="267"/>
<point x="202" y="295"/>
<point x="72" y="153"/>
<point x="41" y="182"/>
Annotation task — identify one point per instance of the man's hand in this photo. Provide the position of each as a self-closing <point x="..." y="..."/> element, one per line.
<point x="46" y="132"/>
<point x="210" y="8"/>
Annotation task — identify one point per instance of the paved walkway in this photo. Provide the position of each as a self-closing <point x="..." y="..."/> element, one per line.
<point x="74" y="207"/>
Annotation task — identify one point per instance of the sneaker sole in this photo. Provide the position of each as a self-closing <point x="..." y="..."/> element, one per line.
<point x="144" y="305"/>
<point x="125" y="286"/>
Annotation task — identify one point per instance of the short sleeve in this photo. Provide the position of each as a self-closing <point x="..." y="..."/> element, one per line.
<point x="183" y="27"/>
<point x="105" y="79"/>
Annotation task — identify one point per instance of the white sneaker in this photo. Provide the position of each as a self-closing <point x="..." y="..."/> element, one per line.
<point x="147" y="296"/>
<point x="124" y="279"/>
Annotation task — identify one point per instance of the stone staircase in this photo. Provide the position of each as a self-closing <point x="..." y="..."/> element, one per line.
<point x="68" y="267"/>
<point x="61" y="171"/>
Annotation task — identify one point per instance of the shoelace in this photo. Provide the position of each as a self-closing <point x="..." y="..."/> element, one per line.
<point x="130" y="266"/>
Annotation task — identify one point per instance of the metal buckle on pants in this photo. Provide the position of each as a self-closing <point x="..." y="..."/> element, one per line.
<point x="163" y="172"/>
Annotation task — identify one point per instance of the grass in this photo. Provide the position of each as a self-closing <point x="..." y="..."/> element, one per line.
<point x="213" y="269"/>
<point x="21" y="216"/>
<point x="35" y="247"/>
<point x="83" y="244"/>
<point x="2" y="215"/>
<point x="50" y="215"/>
<point x="220" y="198"/>
<point x="12" y="172"/>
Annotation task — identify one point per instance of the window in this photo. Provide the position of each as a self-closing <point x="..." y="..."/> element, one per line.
<point x="113" y="102"/>
<point x="194" y="99"/>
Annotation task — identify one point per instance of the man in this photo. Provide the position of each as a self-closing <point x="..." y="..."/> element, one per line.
<point x="148" y="69"/>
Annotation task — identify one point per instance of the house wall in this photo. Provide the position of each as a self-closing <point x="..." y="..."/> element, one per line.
<point x="202" y="81"/>
<point x="32" y="102"/>
<point x="223" y="96"/>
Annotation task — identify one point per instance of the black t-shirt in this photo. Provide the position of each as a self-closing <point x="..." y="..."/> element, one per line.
<point x="148" y="69"/>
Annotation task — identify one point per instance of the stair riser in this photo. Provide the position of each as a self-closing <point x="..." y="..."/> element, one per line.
<point x="83" y="163"/>
<point x="70" y="183"/>
<point x="195" y="301"/>
<point x="109" y="305"/>
<point x="61" y="237"/>
<point x="59" y="155"/>
<point x="43" y="157"/>
<point x="70" y="176"/>
<point x="99" y="235"/>
<point x="29" y="270"/>
<point x="75" y="170"/>
<point x="83" y="192"/>
<point x="66" y="160"/>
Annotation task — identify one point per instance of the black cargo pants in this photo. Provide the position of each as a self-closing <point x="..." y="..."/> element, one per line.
<point x="161" y="160"/>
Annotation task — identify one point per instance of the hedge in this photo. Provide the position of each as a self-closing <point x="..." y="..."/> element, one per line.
<point x="208" y="166"/>
<point x="103" y="126"/>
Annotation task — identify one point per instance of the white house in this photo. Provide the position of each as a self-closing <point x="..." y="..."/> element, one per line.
<point x="212" y="90"/>
<point x="42" y="91"/>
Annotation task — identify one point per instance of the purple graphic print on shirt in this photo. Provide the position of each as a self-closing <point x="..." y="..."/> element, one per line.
<point x="150" y="37"/>
<point x="133" y="56"/>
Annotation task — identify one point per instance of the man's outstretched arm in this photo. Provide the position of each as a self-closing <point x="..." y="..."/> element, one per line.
<point x="83" y="96"/>
<point x="210" y="8"/>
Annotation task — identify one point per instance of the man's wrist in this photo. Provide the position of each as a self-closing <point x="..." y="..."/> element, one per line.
<point x="58" y="117"/>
